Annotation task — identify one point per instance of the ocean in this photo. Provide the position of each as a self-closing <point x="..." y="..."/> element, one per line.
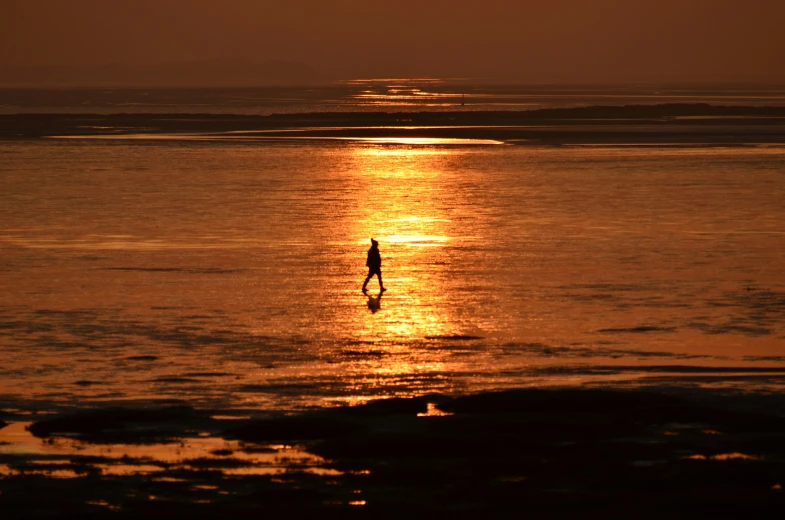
<point x="227" y="274"/>
<point x="372" y="95"/>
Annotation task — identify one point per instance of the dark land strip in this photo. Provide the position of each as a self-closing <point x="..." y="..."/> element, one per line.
<point x="633" y="124"/>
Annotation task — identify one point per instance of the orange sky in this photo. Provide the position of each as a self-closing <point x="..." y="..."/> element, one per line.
<point x="530" y="41"/>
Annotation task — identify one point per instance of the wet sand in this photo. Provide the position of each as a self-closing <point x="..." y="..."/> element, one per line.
<point x="553" y="453"/>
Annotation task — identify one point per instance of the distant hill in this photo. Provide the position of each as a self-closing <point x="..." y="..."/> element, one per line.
<point x="207" y="73"/>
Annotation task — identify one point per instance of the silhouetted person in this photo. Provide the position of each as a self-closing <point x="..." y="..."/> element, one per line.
<point x="374" y="264"/>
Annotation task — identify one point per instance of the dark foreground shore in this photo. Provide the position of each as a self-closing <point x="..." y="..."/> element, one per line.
<point x="634" y="124"/>
<point x="541" y="453"/>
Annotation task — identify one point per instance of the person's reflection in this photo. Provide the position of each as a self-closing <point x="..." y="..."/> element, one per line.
<point x="375" y="302"/>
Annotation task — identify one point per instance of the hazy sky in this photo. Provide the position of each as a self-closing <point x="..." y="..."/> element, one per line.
<point x="524" y="40"/>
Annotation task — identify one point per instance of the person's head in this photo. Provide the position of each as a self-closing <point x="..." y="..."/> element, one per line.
<point x="374" y="243"/>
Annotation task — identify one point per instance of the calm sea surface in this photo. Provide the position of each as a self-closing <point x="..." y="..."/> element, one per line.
<point x="229" y="274"/>
<point x="374" y="95"/>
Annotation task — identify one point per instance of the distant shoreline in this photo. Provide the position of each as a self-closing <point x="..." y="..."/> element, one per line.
<point x="662" y="123"/>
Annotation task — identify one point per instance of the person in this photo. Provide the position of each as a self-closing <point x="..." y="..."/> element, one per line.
<point x="374" y="264"/>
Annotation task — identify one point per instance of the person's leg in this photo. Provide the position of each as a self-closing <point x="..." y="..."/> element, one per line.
<point x="367" y="279"/>
<point x="381" y="285"/>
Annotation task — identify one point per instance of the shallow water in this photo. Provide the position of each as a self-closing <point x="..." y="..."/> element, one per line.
<point x="228" y="274"/>
<point x="54" y="456"/>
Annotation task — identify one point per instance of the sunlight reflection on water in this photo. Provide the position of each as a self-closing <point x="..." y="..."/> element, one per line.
<point x="231" y="274"/>
<point x="120" y="459"/>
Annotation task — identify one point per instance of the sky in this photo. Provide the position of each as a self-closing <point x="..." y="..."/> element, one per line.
<point x="586" y="41"/>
